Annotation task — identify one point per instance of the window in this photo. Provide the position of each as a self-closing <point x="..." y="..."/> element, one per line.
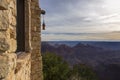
<point x="20" y="26"/>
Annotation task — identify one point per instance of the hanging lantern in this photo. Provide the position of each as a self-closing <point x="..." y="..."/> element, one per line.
<point x="43" y="24"/>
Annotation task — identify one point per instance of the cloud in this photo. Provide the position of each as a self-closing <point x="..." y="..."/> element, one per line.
<point x="81" y="16"/>
<point x="111" y="36"/>
<point x="67" y="11"/>
<point x="73" y="34"/>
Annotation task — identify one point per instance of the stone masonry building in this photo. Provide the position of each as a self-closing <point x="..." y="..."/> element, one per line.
<point x="20" y="57"/>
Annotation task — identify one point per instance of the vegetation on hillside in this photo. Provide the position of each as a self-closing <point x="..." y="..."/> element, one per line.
<point x="55" y="68"/>
<point x="83" y="72"/>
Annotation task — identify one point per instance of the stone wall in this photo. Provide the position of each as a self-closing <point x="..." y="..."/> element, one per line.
<point x="8" y="27"/>
<point x="36" y="63"/>
<point x="7" y="39"/>
<point x="23" y="65"/>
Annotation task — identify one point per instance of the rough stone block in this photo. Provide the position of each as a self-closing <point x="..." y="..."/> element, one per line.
<point x="3" y="5"/>
<point x="12" y="45"/>
<point x="4" y="20"/>
<point x="3" y="67"/>
<point x="4" y="46"/>
<point x="7" y="64"/>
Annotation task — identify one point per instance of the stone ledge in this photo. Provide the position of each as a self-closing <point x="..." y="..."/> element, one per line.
<point x="22" y="59"/>
<point x="23" y="69"/>
<point x="3" y="5"/>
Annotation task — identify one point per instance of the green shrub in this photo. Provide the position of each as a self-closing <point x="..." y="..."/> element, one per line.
<point x="54" y="68"/>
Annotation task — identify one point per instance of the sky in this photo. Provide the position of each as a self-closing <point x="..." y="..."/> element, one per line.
<point x="75" y="20"/>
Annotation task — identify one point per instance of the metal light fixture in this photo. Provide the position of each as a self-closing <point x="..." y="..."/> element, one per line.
<point x="43" y="24"/>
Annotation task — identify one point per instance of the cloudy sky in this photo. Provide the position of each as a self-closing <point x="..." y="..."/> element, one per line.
<point x="81" y="20"/>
